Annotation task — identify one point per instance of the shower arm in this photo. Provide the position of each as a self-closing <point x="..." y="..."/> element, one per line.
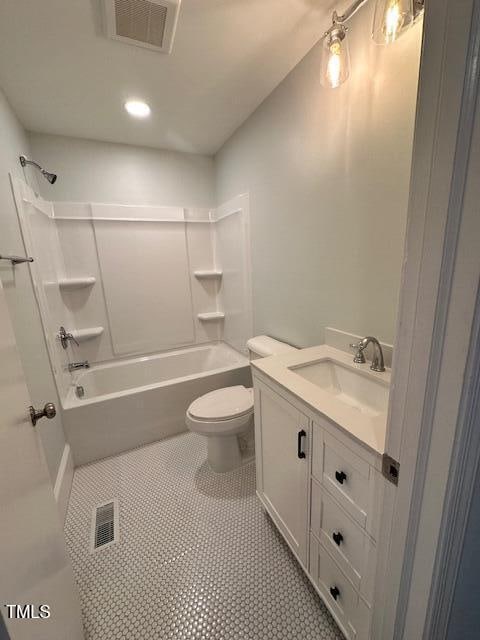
<point x="24" y="161"/>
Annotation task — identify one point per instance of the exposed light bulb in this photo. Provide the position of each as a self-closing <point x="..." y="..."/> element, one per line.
<point x="335" y="58"/>
<point x="393" y="21"/>
<point x="334" y="65"/>
<point x="394" y="17"/>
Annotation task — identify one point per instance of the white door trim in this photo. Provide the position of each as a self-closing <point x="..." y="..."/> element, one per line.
<point x="435" y="319"/>
<point x="463" y="472"/>
<point x="465" y="458"/>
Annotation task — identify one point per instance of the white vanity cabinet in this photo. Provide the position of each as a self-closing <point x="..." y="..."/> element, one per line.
<point x="322" y="489"/>
<point x="282" y="441"/>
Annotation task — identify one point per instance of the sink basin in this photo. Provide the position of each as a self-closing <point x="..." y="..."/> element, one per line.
<point x="353" y="387"/>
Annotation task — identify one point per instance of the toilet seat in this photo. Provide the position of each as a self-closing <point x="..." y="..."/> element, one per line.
<point x="220" y="428"/>
<point x="223" y="404"/>
<point x="224" y="412"/>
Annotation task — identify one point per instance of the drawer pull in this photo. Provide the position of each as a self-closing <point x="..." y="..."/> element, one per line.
<point x="300" y="451"/>
<point x="340" y="476"/>
<point x="334" y="592"/>
<point x="337" y="538"/>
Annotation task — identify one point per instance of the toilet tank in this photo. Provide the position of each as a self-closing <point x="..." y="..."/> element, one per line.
<point x="264" y="346"/>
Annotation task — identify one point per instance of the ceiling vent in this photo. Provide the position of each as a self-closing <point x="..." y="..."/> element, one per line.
<point x="145" y="23"/>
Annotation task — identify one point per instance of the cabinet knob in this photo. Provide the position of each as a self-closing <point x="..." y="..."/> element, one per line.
<point x="340" y="476"/>
<point x="337" y="537"/>
<point x="334" y="592"/>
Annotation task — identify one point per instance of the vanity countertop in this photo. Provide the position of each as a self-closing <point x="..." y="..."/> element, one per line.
<point x="368" y="427"/>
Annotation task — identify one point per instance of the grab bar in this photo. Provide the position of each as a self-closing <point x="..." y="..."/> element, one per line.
<point x="16" y="259"/>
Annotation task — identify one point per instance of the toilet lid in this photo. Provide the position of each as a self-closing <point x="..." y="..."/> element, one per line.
<point x="223" y="404"/>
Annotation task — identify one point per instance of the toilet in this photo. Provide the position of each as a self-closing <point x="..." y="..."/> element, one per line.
<point x="225" y="415"/>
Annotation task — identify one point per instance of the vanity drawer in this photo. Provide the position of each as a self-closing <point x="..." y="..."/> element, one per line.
<point x="347" y="542"/>
<point x="352" y="614"/>
<point x="349" y="478"/>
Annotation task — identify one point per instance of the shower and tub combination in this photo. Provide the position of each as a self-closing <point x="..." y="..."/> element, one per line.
<point x="144" y="308"/>
<point x="140" y="400"/>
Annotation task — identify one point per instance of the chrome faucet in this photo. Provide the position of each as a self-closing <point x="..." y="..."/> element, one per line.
<point x="73" y="366"/>
<point x="377" y="358"/>
<point x="65" y="337"/>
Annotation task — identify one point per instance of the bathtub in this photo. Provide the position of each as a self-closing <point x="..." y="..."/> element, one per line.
<point x="140" y="400"/>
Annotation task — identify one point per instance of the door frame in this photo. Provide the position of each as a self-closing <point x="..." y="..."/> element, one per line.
<point x="432" y="387"/>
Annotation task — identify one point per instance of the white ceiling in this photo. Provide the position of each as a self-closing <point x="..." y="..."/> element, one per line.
<point x="63" y="76"/>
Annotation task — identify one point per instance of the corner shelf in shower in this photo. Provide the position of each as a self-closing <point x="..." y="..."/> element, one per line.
<point x="211" y="316"/>
<point x="76" y="283"/>
<point x="81" y="335"/>
<point x="207" y="274"/>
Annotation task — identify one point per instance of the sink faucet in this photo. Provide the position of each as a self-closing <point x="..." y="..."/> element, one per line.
<point x="377" y="358"/>
<point x="73" y="366"/>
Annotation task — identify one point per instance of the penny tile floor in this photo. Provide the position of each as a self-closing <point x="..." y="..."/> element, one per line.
<point x="197" y="557"/>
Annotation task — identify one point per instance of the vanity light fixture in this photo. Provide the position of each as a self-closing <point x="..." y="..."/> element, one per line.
<point x="137" y="108"/>
<point x="394" y="17"/>
<point x="335" y="57"/>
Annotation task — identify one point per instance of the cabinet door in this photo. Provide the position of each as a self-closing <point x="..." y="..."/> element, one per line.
<point x="282" y="444"/>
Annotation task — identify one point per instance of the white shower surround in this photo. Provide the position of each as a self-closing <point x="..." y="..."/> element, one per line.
<point x="134" y="402"/>
<point x="105" y="241"/>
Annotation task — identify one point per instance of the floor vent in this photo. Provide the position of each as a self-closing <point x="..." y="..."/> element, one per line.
<point x="104" y="525"/>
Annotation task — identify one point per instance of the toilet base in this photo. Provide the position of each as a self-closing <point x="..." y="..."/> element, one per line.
<point x="223" y="453"/>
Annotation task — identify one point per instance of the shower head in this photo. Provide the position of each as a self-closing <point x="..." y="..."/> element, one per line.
<point x="51" y="177"/>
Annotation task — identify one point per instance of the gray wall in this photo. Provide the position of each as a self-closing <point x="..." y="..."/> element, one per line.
<point x="92" y="171"/>
<point x="328" y="175"/>
<point x="19" y="292"/>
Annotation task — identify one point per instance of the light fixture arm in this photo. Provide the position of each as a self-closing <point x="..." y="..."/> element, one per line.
<point x="349" y="13"/>
<point x="338" y="22"/>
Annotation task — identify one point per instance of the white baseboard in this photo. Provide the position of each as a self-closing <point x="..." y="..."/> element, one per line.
<point x="63" y="483"/>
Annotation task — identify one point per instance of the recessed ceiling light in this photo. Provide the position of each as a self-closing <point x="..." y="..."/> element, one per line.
<point x="137" y="108"/>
